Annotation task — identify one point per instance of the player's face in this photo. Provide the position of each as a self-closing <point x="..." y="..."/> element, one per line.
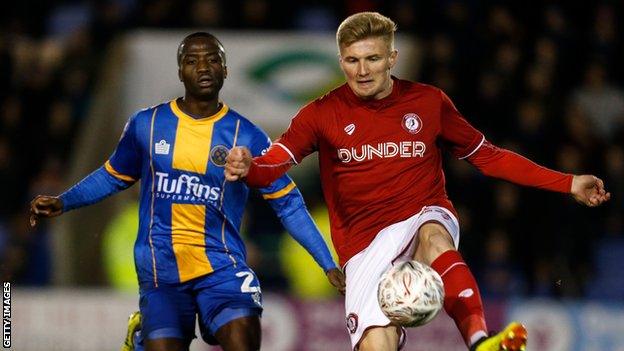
<point x="202" y="67"/>
<point x="366" y="65"/>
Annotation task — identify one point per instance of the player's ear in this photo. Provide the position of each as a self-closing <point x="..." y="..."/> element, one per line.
<point x="393" y="58"/>
<point x="340" y="60"/>
<point x="224" y="72"/>
<point x="180" y="73"/>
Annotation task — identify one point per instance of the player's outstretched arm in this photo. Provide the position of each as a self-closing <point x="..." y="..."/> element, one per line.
<point x="302" y="228"/>
<point x="504" y="164"/>
<point x="93" y="188"/>
<point x="589" y="190"/>
<point x="46" y="207"/>
<point x="507" y="165"/>
<point x="292" y="212"/>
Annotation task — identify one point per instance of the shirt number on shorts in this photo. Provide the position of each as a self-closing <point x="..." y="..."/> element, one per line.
<point x="246" y="286"/>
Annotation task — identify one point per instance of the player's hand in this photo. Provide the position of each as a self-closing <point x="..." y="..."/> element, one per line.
<point x="237" y="163"/>
<point x="337" y="279"/>
<point x="44" y="206"/>
<point x="589" y="190"/>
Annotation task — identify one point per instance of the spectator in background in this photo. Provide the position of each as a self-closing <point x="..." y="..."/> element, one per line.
<point x="500" y="279"/>
<point x="614" y="161"/>
<point x="315" y="17"/>
<point x="600" y="101"/>
<point x="255" y="14"/>
<point x="603" y="37"/>
<point x="206" y="13"/>
<point x="532" y="133"/>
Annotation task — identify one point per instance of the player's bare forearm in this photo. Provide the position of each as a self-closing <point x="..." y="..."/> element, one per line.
<point x="44" y="206"/>
<point x="589" y="190"/>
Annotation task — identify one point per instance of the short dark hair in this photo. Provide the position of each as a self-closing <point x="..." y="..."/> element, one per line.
<point x="199" y="35"/>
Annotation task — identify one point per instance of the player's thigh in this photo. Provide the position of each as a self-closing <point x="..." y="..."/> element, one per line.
<point x="363" y="272"/>
<point x="433" y="240"/>
<point x="226" y="296"/>
<point x="380" y="339"/>
<point x="168" y="312"/>
<point x="437" y="231"/>
<point x="242" y="334"/>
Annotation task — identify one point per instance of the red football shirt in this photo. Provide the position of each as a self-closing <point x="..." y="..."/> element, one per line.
<point x="380" y="160"/>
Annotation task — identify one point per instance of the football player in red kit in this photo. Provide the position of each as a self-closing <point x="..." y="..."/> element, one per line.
<point x="380" y="142"/>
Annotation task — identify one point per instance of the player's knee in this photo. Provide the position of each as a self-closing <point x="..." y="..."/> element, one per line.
<point x="241" y="334"/>
<point x="166" y="344"/>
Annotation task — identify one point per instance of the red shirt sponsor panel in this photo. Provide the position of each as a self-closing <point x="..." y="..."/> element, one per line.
<point x="380" y="160"/>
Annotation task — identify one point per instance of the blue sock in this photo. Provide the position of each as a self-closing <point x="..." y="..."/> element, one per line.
<point x="138" y="341"/>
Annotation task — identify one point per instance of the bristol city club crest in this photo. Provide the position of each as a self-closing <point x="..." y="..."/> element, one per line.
<point x="412" y="123"/>
<point x="352" y="322"/>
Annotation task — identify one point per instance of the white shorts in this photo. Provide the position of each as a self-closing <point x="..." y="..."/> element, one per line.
<point x="392" y="244"/>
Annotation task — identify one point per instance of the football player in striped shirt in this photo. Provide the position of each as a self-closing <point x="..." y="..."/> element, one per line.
<point x="189" y="255"/>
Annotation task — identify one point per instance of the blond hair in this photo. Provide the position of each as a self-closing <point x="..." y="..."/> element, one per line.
<point x="364" y="25"/>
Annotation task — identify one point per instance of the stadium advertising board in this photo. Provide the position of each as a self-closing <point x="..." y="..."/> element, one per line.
<point x="96" y="320"/>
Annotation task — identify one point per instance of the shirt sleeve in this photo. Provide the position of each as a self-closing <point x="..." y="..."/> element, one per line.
<point x="288" y="204"/>
<point x="269" y="167"/>
<point x="504" y="164"/>
<point x="260" y="142"/>
<point x="297" y="220"/>
<point x="281" y="192"/>
<point x="458" y="136"/>
<point x="93" y="188"/>
<point x="125" y="162"/>
<point x="301" y="137"/>
<point x="280" y="187"/>
<point x="298" y="141"/>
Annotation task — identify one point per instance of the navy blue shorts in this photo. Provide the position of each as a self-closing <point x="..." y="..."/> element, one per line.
<point x="169" y="310"/>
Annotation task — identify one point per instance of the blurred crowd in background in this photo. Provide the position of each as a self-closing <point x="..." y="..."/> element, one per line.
<point x="544" y="80"/>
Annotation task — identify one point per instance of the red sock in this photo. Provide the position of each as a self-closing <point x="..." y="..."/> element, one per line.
<point x="462" y="300"/>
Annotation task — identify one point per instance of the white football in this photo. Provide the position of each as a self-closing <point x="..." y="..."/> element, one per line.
<point x="411" y="294"/>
